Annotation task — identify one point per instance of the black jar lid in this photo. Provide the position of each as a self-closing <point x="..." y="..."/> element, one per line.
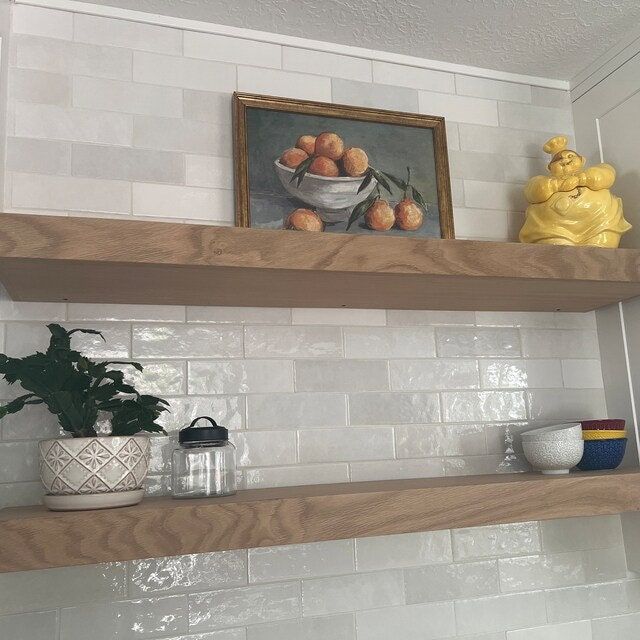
<point x="214" y="433"/>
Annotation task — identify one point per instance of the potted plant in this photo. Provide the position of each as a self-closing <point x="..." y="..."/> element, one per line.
<point x="86" y="470"/>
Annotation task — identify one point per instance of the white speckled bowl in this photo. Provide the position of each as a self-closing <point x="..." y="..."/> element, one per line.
<point x="554" y="433"/>
<point x="553" y="456"/>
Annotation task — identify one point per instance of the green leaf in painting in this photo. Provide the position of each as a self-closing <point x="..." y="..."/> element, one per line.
<point x="417" y="196"/>
<point x="401" y="184"/>
<point x="366" y="182"/>
<point x="301" y="170"/>
<point x="381" y="179"/>
<point x="360" y="209"/>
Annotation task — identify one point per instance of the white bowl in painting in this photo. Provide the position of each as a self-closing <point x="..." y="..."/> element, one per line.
<point x="556" y="432"/>
<point x="553" y="457"/>
<point x="334" y="194"/>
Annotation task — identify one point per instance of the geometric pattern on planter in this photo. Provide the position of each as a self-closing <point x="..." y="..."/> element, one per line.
<point x="94" y="465"/>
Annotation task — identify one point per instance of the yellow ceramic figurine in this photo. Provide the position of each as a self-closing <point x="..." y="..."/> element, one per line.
<point x="574" y="204"/>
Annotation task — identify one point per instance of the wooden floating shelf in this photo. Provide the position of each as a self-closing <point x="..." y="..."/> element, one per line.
<point x="34" y="538"/>
<point x="49" y="258"/>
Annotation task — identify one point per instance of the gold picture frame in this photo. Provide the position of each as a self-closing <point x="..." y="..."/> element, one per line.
<point x="243" y="103"/>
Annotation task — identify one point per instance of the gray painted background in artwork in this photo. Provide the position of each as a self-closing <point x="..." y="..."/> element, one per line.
<point x="390" y="148"/>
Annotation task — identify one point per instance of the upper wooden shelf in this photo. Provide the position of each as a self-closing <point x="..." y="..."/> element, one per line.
<point x="48" y="258"/>
<point x="34" y="538"/>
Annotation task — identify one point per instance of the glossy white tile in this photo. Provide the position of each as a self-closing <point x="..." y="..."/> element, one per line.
<point x="247" y="376"/>
<point x="186" y="341"/>
<point x="342" y="375"/>
<point x="522" y="538"/>
<point x="426" y="441"/>
<point x="521" y="374"/>
<point x="344" y="445"/>
<point x="300" y="474"/>
<point x="427" y="375"/>
<point x="390" y="342"/>
<point x="568" y="631"/>
<point x="41" y="625"/>
<point x="264" y="448"/>
<point x="546" y="571"/>
<point x="341" y="317"/>
<point x="390" y="408"/>
<point x="462" y="342"/>
<point x="296" y="342"/>
<point x="396" y="469"/>
<point x="268" y="411"/>
<point x="466" y="406"/>
<point x="340" y="627"/>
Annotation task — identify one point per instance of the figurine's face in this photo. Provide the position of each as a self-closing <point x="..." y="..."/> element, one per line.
<point x="566" y="163"/>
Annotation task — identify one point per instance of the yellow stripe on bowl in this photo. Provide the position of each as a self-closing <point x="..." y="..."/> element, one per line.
<point x="603" y="434"/>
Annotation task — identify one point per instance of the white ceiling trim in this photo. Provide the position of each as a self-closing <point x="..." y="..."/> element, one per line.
<point x="292" y="41"/>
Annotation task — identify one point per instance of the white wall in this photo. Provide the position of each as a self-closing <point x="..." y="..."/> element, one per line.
<point x="108" y="117"/>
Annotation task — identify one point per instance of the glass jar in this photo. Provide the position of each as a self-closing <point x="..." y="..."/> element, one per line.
<point x="205" y="463"/>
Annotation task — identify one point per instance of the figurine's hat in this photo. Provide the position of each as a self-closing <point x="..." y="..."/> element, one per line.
<point x="555" y="145"/>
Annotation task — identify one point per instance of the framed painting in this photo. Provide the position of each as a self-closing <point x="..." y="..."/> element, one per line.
<point x="315" y="166"/>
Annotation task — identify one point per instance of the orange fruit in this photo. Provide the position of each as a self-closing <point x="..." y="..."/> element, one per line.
<point x="293" y="157"/>
<point x="307" y="143"/>
<point x="322" y="166"/>
<point x="354" y="162"/>
<point x="330" y="145"/>
<point x="409" y="215"/>
<point x="380" y="216"/>
<point x="304" y="220"/>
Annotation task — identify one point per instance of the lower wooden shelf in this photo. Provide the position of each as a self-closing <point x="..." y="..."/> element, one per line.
<point x="35" y="538"/>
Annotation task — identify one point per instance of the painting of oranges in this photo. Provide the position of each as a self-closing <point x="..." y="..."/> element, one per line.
<point x="304" y="168"/>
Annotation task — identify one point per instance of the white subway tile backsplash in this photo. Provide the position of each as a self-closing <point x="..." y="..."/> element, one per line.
<point x="283" y="83"/>
<point x="127" y="97"/>
<point x="410" y="318"/>
<point x="29" y="85"/>
<point x="415" y="622"/>
<point x="18" y="461"/>
<point x="462" y="342"/>
<point x="494" y="541"/>
<point x="493" y="167"/>
<point x="320" y="62"/>
<point x="249" y="376"/>
<point x="29" y="155"/>
<point x="534" y="118"/>
<point x="125" y="312"/>
<point x="295" y="342"/>
<point x="322" y="596"/>
<point x="207" y="106"/>
<point x="521" y="374"/>
<point x="390" y="342"/>
<point x="62" y="193"/>
<point x="344" y="445"/>
<point x="396" y="469"/>
<point x="500" y="613"/>
<point x="367" y="94"/>
<point x="459" y="108"/>
<point x="424" y="375"/>
<point x="124" y="163"/>
<point x="270" y="564"/>
<point x="245" y="605"/>
<point x="390" y="408"/>
<point x="340" y="627"/>
<point x="566" y="404"/>
<point x="574" y="534"/>
<point x="197" y="572"/>
<point x="286" y="410"/>
<point x="401" y="75"/>
<point x="186" y="341"/>
<point x="264" y="448"/>
<point x="367" y="317"/>
<point x="470" y="406"/>
<point x="404" y="550"/>
<point x="125" y="33"/>
<point x="72" y="58"/>
<point x="76" y="125"/>
<point x="603" y="565"/>
<point x="174" y="201"/>
<point x="342" y="375"/>
<point x="584" y="602"/>
<point x="145" y="618"/>
<point x="209" y="171"/>
<point x="52" y="588"/>
<point x="582" y="374"/>
<point x="569" y="631"/>
<point x="500" y="140"/>
<point x="239" y="315"/>
<point x="494" y="195"/>
<point x="451" y="581"/>
<point x="42" y="625"/>
<point x="620" y="627"/>
<point x="187" y="73"/>
<point x="545" y="97"/>
<point x="229" y="411"/>
<point x="38" y="21"/>
<point x="542" y="571"/>
<point x="175" y="134"/>
<point x="495" y="89"/>
<point x="426" y="441"/>
<point x="299" y="474"/>
<point x="210" y="46"/>
<point x="562" y="343"/>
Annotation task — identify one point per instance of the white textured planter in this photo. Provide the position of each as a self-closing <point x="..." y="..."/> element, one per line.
<point x="106" y="468"/>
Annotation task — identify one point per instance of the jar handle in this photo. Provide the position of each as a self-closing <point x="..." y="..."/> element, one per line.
<point x="211" y="420"/>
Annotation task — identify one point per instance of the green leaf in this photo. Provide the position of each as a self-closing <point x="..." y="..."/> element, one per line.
<point x="366" y="182"/>
<point x="417" y="196"/>
<point x="301" y="170"/>
<point x="381" y="179"/>
<point x="360" y="209"/>
<point x="401" y="184"/>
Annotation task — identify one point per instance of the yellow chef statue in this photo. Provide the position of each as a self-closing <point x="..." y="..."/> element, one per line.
<point x="573" y="205"/>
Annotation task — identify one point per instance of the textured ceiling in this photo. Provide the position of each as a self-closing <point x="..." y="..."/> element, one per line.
<point x="549" y="38"/>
